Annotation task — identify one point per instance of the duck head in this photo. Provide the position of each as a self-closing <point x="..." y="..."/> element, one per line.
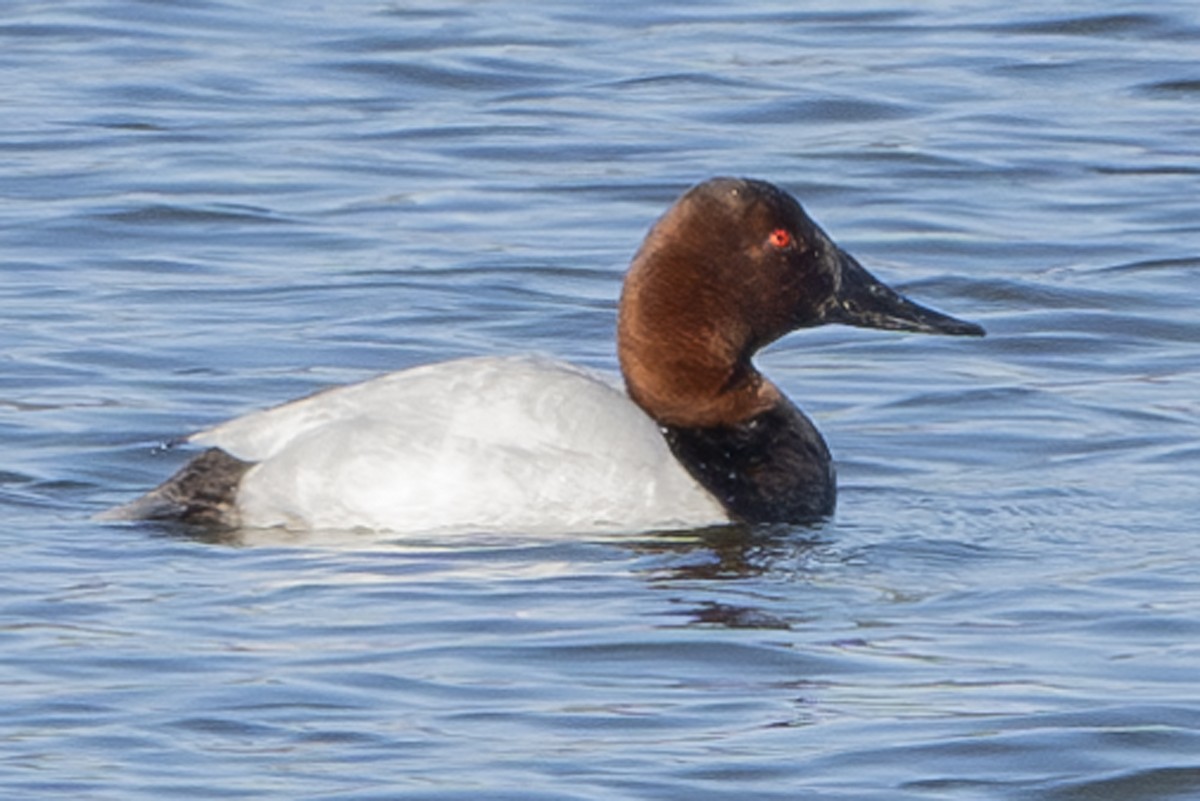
<point x="732" y="266"/>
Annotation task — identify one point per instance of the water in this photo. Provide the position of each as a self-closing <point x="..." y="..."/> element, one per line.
<point x="210" y="207"/>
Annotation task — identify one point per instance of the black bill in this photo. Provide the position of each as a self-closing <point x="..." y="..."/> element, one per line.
<point x="863" y="300"/>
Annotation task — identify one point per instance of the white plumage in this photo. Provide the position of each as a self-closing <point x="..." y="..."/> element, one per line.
<point x="477" y="445"/>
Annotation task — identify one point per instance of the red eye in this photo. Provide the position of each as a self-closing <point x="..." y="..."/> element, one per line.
<point x="780" y="238"/>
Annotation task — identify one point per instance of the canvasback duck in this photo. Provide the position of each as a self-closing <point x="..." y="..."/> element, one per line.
<point x="528" y="445"/>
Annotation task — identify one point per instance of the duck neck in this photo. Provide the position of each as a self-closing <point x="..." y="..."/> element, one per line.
<point x="686" y="369"/>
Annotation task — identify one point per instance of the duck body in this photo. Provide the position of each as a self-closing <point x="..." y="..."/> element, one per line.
<point x="698" y="437"/>
<point x="516" y="444"/>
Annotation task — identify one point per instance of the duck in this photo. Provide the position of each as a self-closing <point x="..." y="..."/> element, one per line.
<point x="693" y="436"/>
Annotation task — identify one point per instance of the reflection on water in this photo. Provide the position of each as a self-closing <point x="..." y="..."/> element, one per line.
<point x="734" y="552"/>
<point x="208" y="210"/>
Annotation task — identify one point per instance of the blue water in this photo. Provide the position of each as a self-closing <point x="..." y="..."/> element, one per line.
<point x="210" y="207"/>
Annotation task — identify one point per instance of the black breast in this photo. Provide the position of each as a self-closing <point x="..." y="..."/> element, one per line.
<point x="772" y="468"/>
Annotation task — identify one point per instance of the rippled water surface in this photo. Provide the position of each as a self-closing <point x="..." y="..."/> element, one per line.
<point x="211" y="207"/>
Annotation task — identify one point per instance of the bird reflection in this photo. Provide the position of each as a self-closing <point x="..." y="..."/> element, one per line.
<point x="734" y="551"/>
<point x="679" y="563"/>
<point x="731" y="554"/>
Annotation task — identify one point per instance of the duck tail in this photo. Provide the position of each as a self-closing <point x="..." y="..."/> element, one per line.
<point x="203" y="492"/>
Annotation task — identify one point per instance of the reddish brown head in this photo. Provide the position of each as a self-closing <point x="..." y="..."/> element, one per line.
<point x="732" y="266"/>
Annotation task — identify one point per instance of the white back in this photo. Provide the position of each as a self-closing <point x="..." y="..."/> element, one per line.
<point x="518" y="444"/>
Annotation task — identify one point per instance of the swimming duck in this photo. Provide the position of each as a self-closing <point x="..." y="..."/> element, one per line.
<point x="517" y="444"/>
